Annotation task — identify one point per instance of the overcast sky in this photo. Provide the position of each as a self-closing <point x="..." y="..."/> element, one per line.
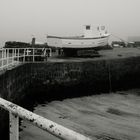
<point x="20" y="19"/>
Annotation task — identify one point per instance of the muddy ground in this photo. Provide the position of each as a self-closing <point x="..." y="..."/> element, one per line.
<point x="114" y="116"/>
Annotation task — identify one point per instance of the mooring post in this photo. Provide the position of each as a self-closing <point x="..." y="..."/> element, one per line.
<point x="14" y="126"/>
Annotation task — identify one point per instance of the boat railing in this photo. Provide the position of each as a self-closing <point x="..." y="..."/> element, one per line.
<point x="16" y="112"/>
<point x="10" y="57"/>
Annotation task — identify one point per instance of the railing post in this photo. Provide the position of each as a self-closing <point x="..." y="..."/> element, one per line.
<point x="14" y="126"/>
<point x="10" y="56"/>
<point x="18" y="55"/>
<point x="5" y="60"/>
<point x="7" y="57"/>
<point x="2" y="58"/>
<point x="24" y="55"/>
<point x="50" y="52"/>
<point x="13" y="55"/>
<point x="17" y="112"/>
<point x="33" y="54"/>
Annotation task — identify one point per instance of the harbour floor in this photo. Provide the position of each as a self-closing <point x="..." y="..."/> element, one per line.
<point x="113" y="116"/>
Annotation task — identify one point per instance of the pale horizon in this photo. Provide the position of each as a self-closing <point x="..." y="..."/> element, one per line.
<point x="20" y="19"/>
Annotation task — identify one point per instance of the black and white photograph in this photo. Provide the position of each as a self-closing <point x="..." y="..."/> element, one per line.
<point x="69" y="70"/>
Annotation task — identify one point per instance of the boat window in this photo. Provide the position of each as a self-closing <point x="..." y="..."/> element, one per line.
<point x="88" y="27"/>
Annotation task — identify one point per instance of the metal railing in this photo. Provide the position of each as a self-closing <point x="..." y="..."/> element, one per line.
<point x="55" y="129"/>
<point x="10" y="57"/>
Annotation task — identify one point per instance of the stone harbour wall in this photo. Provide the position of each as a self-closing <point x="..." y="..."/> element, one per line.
<point x="93" y="76"/>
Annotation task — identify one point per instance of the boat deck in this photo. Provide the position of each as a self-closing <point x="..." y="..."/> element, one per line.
<point x="100" y="117"/>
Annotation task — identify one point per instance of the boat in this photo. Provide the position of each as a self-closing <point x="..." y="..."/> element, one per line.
<point x="93" y="37"/>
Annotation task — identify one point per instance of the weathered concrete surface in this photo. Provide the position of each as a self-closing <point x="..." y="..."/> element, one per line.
<point x="114" y="116"/>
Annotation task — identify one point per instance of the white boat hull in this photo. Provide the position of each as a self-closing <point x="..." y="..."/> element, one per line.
<point x="79" y="43"/>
